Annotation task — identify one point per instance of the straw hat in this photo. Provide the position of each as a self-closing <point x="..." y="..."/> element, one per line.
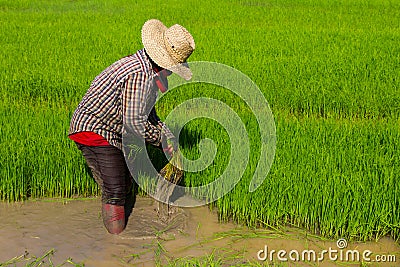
<point x="168" y="47"/>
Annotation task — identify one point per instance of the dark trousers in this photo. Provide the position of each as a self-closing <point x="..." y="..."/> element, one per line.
<point x="110" y="171"/>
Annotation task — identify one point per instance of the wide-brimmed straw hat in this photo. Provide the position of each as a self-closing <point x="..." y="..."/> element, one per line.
<point x="168" y="47"/>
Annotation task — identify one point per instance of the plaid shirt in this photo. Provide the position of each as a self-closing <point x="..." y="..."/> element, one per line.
<point x="121" y="100"/>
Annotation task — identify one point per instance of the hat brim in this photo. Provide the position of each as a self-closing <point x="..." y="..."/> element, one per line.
<point x="153" y="41"/>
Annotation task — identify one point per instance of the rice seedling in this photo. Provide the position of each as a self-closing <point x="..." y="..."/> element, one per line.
<point x="44" y="260"/>
<point x="173" y="171"/>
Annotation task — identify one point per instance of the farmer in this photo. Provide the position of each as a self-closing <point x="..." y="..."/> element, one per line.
<point x="122" y="97"/>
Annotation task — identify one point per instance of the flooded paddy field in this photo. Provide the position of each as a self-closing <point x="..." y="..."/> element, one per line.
<point x="71" y="233"/>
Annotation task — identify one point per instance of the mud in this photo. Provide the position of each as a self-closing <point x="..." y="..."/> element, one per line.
<point x="73" y="229"/>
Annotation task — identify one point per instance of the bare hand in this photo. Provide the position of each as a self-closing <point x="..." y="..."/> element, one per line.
<point x="169" y="149"/>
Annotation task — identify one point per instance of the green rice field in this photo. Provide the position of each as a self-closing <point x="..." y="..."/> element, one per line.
<point x="329" y="69"/>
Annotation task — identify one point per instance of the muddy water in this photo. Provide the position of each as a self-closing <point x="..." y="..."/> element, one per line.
<point x="74" y="230"/>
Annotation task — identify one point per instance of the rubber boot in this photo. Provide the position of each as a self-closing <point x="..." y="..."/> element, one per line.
<point x="113" y="218"/>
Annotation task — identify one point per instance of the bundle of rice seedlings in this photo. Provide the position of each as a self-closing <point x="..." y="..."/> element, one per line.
<point x="172" y="172"/>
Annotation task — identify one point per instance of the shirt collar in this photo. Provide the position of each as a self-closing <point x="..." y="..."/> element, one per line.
<point x="160" y="80"/>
